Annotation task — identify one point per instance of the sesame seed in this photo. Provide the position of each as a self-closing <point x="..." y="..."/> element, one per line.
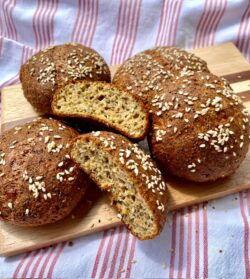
<point x="96" y="134"/>
<point x="119" y="216"/>
<point x="60" y="164"/>
<point x="71" y="178"/>
<point x="10" y="205"/>
<point x="27" y="211"/>
<point x="202" y="145"/>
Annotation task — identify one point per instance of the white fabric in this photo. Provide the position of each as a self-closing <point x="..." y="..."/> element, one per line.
<point x="207" y="241"/>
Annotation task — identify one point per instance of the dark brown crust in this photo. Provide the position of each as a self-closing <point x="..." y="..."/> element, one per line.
<point x="138" y="181"/>
<point x="147" y="72"/>
<point x="177" y="151"/>
<point x="31" y="154"/>
<point x="59" y="65"/>
<point x="103" y="122"/>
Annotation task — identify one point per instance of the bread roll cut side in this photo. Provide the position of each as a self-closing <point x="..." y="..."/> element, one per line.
<point x="105" y="104"/>
<point x="102" y="158"/>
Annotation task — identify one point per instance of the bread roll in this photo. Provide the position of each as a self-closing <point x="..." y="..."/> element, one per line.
<point x="39" y="183"/>
<point x="200" y="128"/>
<point x="54" y="67"/>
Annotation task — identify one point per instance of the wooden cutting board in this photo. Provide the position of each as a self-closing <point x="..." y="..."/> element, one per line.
<point x="224" y="60"/>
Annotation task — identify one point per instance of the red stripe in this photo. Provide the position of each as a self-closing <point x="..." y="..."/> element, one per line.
<point x="1" y="46"/>
<point x="37" y="24"/>
<point x="80" y="20"/>
<point x="53" y="264"/>
<point x="248" y="201"/>
<point x="214" y="12"/>
<point x="246" y="236"/>
<point x="197" y="243"/>
<point x="206" y="23"/>
<point x="161" y="23"/>
<point x="90" y="23"/>
<point x="76" y="21"/>
<point x="37" y="263"/>
<point x="12" y="24"/>
<point x="45" y="264"/>
<point x="1" y="24"/>
<point x="169" y="22"/>
<point x="135" y="32"/>
<point x="200" y="24"/>
<point x="116" y="252"/>
<point x="5" y="12"/>
<point x="123" y="254"/>
<point x="34" y="23"/>
<point x="48" y="21"/>
<point x="8" y="7"/>
<point x="205" y="242"/>
<point x="18" y="268"/>
<point x="245" y="38"/>
<point x="95" y="23"/>
<point x="117" y="32"/>
<point x="166" y="20"/>
<point x="53" y="22"/>
<point x="29" y="263"/>
<point x="180" y="3"/>
<point x="43" y="22"/>
<point x="189" y="244"/>
<point x="131" y="257"/>
<point x="83" y="29"/>
<point x="242" y="23"/>
<point x="107" y="254"/>
<point x="173" y="246"/>
<point x="181" y="241"/>
<point x="123" y="25"/>
<point x="99" y="253"/>
<point x="218" y="21"/>
<point x="126" y="38"/>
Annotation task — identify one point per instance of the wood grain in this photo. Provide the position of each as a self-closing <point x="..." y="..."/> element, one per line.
<point x="224" y="60"/>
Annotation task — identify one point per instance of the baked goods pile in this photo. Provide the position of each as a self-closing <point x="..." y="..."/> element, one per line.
<point x="197" y="129"/>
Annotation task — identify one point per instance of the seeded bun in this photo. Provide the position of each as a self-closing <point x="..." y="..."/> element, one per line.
<point x="134" y="183"/>
<point x="39" y="183"/>
<point x="200" y="128"/>
<point x="146" y="73"/>
<point x="53" y="67"/>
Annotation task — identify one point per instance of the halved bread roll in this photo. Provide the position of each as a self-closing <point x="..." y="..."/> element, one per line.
<point x="104" y="103"/>
<point x="134" y="183"/>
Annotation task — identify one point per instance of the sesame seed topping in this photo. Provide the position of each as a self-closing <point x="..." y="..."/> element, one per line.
<point x="10" y="205"/>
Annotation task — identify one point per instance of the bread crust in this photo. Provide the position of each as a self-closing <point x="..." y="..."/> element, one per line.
<point x="39" y="183"/>
<point x="148" y="72"/>
<point x="96" y="120"/>
<point x="114" y="144"/>
<point x="54" y="67"/>
<point x="206" y="136"/>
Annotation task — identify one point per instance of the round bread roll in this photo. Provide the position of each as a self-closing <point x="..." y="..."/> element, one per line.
<point x="148" y="72"/>
<point x="53" y="67"/>
<point x="134" y="183"/>
<point x="39" y="183"/>
<point x="200" y="128"/>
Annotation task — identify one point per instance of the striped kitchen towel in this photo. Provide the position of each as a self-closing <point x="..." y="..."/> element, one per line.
<point x="210" y="240"/>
